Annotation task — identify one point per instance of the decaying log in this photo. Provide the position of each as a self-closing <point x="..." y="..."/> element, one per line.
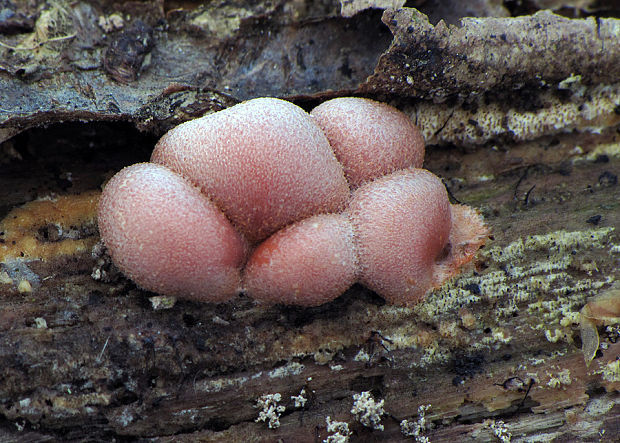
<point x="85" y="355"/>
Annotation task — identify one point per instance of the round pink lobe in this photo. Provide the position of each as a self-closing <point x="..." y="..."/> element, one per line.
<point x="308" y="263"/>
<point x="168" y="237"/>
<point x="370" y="138"/>
<point x="264" y="162"/>
<point x="402" y="224"/>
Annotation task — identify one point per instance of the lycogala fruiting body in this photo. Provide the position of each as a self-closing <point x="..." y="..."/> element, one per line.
<point x="289" y="207"/>
<point x="402" y="224"/>
<point x="307" y="263"/>
<point x="264" y="162"/>
<point x="168" y="237"/>
<point x="369" y="138"/>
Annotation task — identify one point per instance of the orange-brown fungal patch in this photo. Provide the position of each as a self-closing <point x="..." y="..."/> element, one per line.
<point x="47" y="228"/>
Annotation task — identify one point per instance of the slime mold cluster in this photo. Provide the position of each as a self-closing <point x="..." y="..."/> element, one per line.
<point x="289" y="207"/>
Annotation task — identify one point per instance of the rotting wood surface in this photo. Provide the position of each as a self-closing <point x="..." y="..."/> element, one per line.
<point x="85" y="354"/>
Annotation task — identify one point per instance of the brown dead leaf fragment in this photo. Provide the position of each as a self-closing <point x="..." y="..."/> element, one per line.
<point x="603" y="309"/>
<point x="488" y="54"/>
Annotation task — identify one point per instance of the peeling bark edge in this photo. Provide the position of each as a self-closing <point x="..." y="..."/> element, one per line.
<point x="487" y="54"/>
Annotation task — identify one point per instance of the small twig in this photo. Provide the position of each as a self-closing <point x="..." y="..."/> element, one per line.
<point x="38" y="45"/>
<point x="450" y="194"/>
<point x="527" y="195"/>
<point x="527" y="392"/>
<point x="105" y="345"/>
<point x="8" y="46"/>
<point x="444" y="124"/>
<point x="518" y="184"/>
<point x="523" y="177"/>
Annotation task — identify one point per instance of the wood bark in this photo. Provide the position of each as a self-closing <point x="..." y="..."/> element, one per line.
<point x="522" y="119"/>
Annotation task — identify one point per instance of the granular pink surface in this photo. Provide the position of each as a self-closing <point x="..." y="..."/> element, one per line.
<point x="255" y="198"/>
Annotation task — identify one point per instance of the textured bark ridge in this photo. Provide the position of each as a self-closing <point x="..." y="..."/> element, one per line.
<point x="524" y="129"/>
<point x="487" y="54"/>
<point x="164" y="65"/>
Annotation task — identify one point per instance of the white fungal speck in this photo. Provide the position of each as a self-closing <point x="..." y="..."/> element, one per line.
<point x="367" y="411"/>
<point x="416" y="428"/>
<point x="271" y="411"/>
<point x="362" y="355"/>
<point x="499" y="430"/>
<point x="24" y="287"/>
<point x="339" y="430"/>
<point x="300" y="400"/>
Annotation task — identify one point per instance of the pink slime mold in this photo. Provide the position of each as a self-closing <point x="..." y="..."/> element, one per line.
<point x="289" y="207"/>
